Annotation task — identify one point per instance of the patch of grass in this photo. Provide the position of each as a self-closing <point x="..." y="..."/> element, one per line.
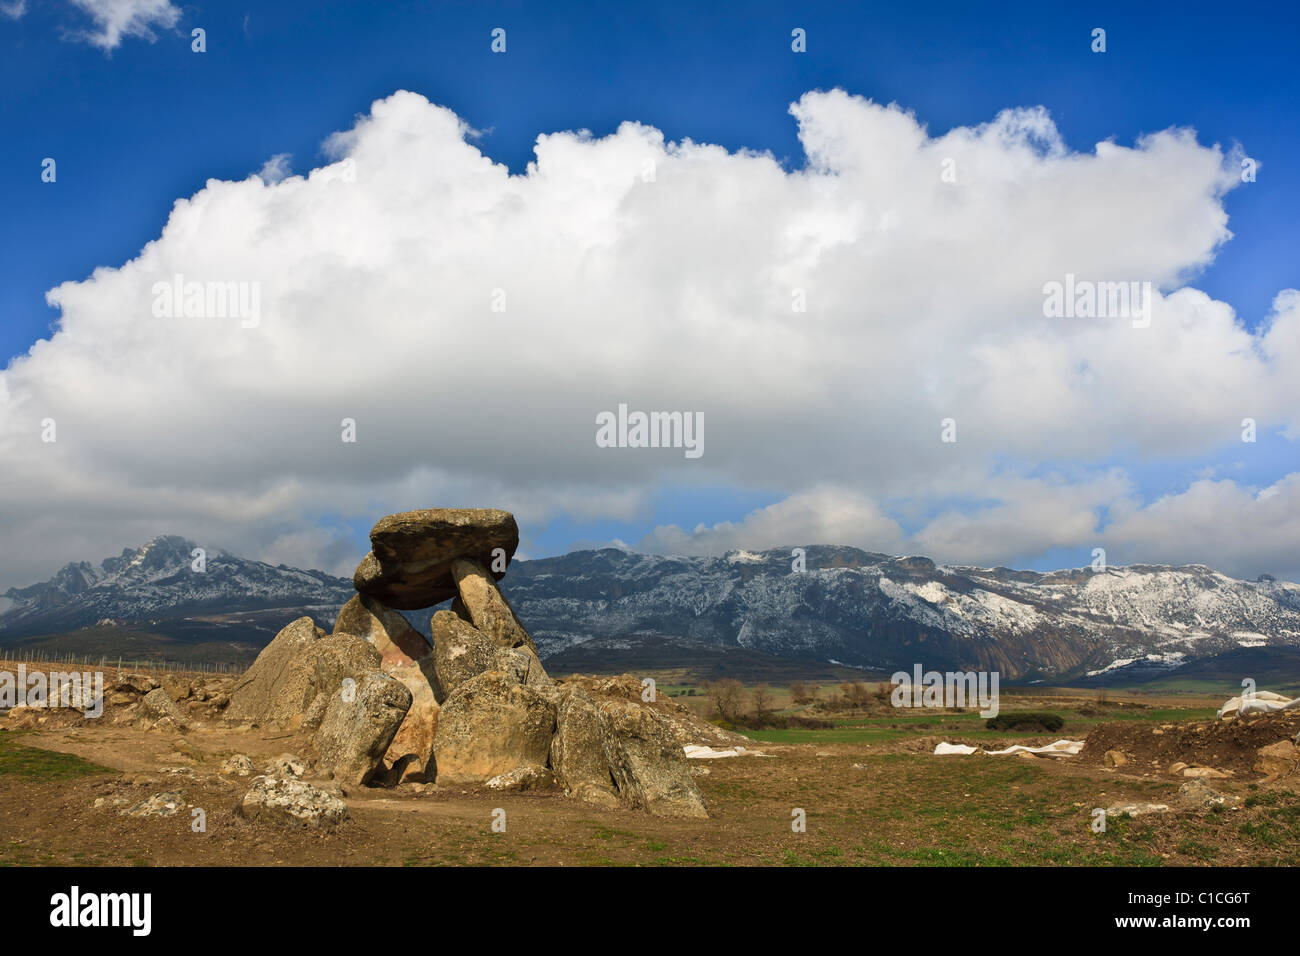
<point x="20" y="761"/>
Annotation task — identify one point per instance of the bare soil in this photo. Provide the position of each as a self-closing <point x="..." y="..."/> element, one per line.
<point x="892" y="804"/>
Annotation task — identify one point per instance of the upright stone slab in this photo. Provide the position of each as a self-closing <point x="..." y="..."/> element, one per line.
<point x="487" y="607"/>
<point x="355" y="733"/>
<point x="647" y="763"/>
<point x="578" y="750"/>
<point x="280" y="684"/>
<point x="490" y="726"/>
<point x="404" y="654"/>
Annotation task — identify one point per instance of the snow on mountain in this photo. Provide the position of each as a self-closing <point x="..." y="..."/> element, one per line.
<point x="861" y="608"/>
<point x="159" y="580"/>
<point x="873" y="610"/>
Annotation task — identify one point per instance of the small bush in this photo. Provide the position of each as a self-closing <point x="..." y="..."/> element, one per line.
<point x="1026" y="721"/>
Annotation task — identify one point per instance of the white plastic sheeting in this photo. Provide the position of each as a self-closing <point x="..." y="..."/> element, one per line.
<point x="1059" y="748"/>
<point x="694" y="752"/>
<point x="1261" y="702"/>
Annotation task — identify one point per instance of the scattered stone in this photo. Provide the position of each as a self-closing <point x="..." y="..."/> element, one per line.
<point x="137" y="684"/>
<point x="1197" y="794"/>
<point x="285" y="765"/>
<point x="1277" y="759"/>
<point x="177" y="687"/>
<point x="237" y="765"/>
<point x="1177" y="768"/>
<point x="355" y="734"/>
<point x="523" y="778"/>
<point x="1136" y="809"/>
<point x="410" y="566"/>
<point x="157" y="711"/>
<point x="159" y="805"/>
<point x="1115" y="758"/>
<point x="1209" y="772"/>
<point x="291" y="802"/>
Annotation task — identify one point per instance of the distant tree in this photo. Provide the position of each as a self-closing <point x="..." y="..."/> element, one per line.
<point x="764" y="702"/>
<point x="799" y="692"/>
<point x="728" y="697"/>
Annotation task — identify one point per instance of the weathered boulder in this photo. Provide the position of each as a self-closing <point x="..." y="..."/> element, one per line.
<point x="177" y="687"/>
<point x="285" y="765"/>
<point x="523" y="778"/>
<point x="491" y="725"/>
<point x="460" y="651"/>
<point x="339" y="657"/>
<point x="291" y="802"/>
<point x="1197" y="794"/>
<point x="522" y="665"/>
<point x="407" y="656"/>
<point x="237" y="765"/>
<point x="578" y="749"/>
<point x="1277" y="759"/>
<point x="1115" y="758"/>
<point x="410" y="566"/>
<point x="137" y="684"/>
<point x="385" y="629"/>
<point x="355" y="733"/>
<point x="159" y="805"/>
<point x="647" y="763"/>
<point x="157" y="711"/>
<point x="487" y="608"/>
<point x="280" y="684"/>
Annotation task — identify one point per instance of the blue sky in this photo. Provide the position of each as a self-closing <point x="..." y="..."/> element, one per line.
<point x="139" y="126"/>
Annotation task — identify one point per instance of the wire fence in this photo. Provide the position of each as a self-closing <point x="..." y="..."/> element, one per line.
<point x="43" y="660"/>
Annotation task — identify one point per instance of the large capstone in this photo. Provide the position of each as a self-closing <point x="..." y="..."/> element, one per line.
<point x="410" y="564"/>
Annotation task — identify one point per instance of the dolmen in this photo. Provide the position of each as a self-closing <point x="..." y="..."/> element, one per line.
<point x="476" y="707"/>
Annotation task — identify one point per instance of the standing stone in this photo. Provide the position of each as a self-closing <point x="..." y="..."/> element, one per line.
<point x="490" y="726"/>
<point x="407" y="656"/>
<point x="578" y="749"/>
<point x="410" y="564"/>
<point x="354" y="735"/>
<point x="341" y="656"/>
<point x="280" y="684"/>
<point x="647" y="764"/>
<point x="460" y="651"/>
<point x="487" y="607"/>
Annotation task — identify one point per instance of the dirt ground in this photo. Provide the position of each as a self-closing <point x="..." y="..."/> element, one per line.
<point x="892" y="803"/>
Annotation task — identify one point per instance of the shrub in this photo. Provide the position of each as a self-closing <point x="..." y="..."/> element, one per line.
<point x="1026" y="721"/>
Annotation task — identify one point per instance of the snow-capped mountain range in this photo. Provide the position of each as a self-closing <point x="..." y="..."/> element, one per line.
<point x="846" y="605"/>
<point x="881" y="612"/>
<point x="159" y="582"/>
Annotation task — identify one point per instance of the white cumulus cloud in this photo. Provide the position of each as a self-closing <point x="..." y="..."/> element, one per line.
<point x="662" y="275"/>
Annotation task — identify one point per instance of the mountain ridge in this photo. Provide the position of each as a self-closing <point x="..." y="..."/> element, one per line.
<point x="854" y="607"/>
